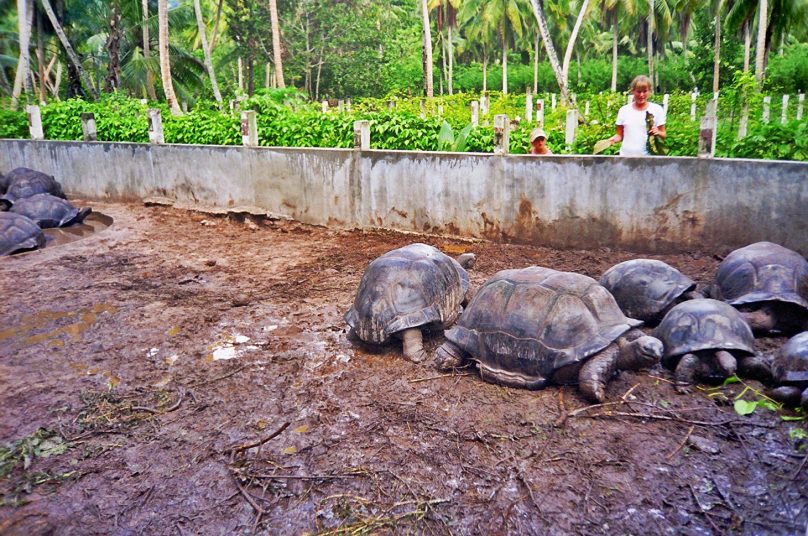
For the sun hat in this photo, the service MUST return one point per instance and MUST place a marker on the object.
(537, 133)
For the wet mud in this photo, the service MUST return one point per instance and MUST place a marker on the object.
(186, 373)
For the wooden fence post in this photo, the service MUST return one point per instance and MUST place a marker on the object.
(501, 134)
(249, 128)
(88, 126)
(155, 126)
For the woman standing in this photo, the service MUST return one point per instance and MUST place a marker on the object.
(633, 124)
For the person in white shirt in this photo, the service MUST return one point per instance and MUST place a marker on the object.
(632, 128)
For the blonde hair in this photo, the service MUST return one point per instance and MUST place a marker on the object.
(643, 81)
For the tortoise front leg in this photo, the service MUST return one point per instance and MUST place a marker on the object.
(449, 356)
(414, 345)
(685, 373)
(596, 373)
(726, 362)
(755, 366)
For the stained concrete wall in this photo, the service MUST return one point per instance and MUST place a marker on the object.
(645, 204)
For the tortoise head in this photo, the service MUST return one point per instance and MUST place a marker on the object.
(643, 352)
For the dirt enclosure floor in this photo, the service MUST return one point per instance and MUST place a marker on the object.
(187, 373)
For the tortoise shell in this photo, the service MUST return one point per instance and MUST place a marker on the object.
(705, 324)
(49, 211)
(25, 182)
(18, 232)
(790, 367)
(763, 272)
(405, 288)
(644, 288)
(537, 320)
(4, 180)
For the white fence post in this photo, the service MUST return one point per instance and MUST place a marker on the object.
(553, 101)
(361, 135)
(572, 125)
(155, 126)
(693, 97)
(501, 134)
(784, 112)
(767, 101)
(34, 122)
(800, 102)
(707, 131)
(743, 124)
(540, 112)
(324, 106)
(249, 128)
(88, 126)
(475, 113)
(529, 106)
(665, 101)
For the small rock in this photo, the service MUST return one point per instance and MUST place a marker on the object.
(703, 444)
(251, 225)
(208, 223)
(210, 262)
(241, 300)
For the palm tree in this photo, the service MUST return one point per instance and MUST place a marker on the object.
(24, 22)
(565, 68)
(206, 50)
(71, 54)
(552, 57)
(427, 54)
(147, 49)
(760, 48)
(446, 17)
(165, 64)
(611, 13)
(719, 6)
(276, 43)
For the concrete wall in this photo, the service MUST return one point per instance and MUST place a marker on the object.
(644, 204)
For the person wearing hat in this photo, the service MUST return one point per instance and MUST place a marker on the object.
(538, 142)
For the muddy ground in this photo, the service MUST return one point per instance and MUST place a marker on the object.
(185, 373)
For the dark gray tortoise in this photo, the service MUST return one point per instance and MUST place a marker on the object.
(18, 233)
(536, 326)
(405, 290)
(50, 211)
(768, 284)
(790, 371)
(25, 182)
(646, 289)
(3, 183)
(708, 339)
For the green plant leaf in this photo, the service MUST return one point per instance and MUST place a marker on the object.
(745, 407)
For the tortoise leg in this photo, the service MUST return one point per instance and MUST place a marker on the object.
(596, 372)
(686, 372)
(761, 320)
(754, 366)
(414, 345)
(449, 356)
(788, 395)
(466, 260)
(726, 362)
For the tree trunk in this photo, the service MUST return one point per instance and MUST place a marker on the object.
(760, 47)
(649, 47)
(216, 25)
(208, 61)
(485, 72)
(427, 55)
(552, 57)
(444, 70)
(504, 65)
(23, 63)
(717, 48)
(276, 42)
(451, 60)
(536, 66)
(747, 45)
(240, 65)
(113, 79)
(147, 49)
(565, 69)
(615, 35)
(40, 56)
(165, 63)
(74, 59)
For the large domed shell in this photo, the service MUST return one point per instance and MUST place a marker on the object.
(537, 320)
(25, 182)
(405, 288)
(790, 367)
(706, 324)
(18, 233)
(49, 211)
(644, 288)
(763, 272)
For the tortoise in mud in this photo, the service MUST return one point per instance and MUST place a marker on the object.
(50, 211)
(18, 233)
(768, 284)
(790, 371)
(405, 290)
(646, 289)
(535, 326)
(25, 182)
(709, 340)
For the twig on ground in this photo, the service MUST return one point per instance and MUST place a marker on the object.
(199, 384)
(260, 442)
(310, 477)
(703, 511)
(567, 414)
(624, 398)
(677, 419)
(429, 378)
(682, 444)
(658, 378)
(797, 472)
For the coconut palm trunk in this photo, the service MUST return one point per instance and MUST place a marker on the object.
(206, 50)
(21, 79)
(760, 47)
(717, 48)
(71, 54)
(747, 45)
(165, 64)
(615, 37)
(565, 69)
(276, 43)
(504, 64)
(451, 59)
(552, 57)
(150, 91)
(427, 55)
(649, 47)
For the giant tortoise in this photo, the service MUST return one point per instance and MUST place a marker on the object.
(768, 284)
(50, 211)
(646, 289)
(708, 339)
(535, 326)
(25, 182)
(406, 289)
(18, 232)
(790, 371)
